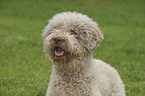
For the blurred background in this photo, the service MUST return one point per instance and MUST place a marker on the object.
(24, 67)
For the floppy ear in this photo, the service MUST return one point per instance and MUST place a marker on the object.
(46, 31)
(98, 35)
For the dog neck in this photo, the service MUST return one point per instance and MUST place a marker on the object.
(74, 76)
(74, 68)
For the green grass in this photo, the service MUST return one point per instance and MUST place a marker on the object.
(24, 67)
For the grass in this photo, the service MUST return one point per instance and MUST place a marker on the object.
(24, 67)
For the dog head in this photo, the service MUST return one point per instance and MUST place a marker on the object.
(70, 36)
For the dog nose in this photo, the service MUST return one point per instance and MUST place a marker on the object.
(58, 39)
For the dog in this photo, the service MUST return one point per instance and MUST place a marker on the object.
(69, 40)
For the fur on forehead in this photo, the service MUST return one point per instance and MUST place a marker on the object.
(67, 20)
(70, 18)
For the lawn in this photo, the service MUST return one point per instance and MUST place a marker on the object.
(24, 67)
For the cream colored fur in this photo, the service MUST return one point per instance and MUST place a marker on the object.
(76, 73)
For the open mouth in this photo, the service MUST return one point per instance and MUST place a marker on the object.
(58, 52)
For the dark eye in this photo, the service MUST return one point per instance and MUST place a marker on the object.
(73, 32)
(49, 33)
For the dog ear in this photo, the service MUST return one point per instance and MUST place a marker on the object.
(46, 31)
(98, 35)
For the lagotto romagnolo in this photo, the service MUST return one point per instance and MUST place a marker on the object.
(70, 39)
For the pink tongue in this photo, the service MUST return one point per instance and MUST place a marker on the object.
(59, 52)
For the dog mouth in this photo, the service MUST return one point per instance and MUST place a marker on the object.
(60, 55)
(59, 52)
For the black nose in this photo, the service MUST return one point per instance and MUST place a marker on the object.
(58, 40)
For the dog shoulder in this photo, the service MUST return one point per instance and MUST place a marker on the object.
(104, 66)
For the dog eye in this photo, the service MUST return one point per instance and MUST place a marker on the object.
(49, 33)
(73, 32)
